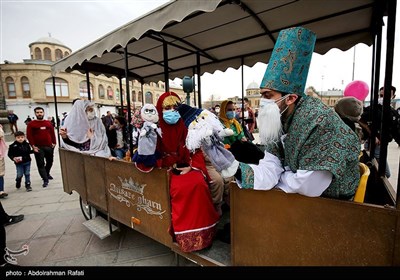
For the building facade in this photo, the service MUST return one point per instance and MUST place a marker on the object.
(29, 84)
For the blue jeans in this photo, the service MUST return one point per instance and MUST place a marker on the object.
(120, 153)
(1, 183)
(24, 169)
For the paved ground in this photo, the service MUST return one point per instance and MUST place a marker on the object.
(56, 237)
(53, 229)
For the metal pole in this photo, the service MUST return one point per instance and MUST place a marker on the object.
(121, 99)
(56, 109)
(354, 63)
(166, 72)
(128, 101)
(198, 78)
(88, 85)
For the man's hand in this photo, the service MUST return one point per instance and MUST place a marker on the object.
(35, 149)
(63, 133)
(53, 145)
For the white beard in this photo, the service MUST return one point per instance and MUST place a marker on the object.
(270, 125)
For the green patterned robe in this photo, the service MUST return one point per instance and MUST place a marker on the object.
(317, 139)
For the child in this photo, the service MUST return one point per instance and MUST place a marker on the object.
(19, 152)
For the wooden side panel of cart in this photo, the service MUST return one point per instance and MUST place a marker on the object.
(275, 228)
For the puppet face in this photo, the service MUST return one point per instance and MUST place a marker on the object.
(149, 113)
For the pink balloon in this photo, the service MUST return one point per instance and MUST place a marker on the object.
(357, 89)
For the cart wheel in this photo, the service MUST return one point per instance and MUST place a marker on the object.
(86, 208)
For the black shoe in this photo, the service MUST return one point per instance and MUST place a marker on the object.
(3, 195)
(45, 184)
(50, 177)
(14, 219)
(18, 184)
(28, 188)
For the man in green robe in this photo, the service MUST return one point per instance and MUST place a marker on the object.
(309, 149)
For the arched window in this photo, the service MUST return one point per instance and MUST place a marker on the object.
(26, 91)
(59, 54)
(117, 95)
(61, 87)
(110, 93)
(123, 96)
(66, 54)
(83, 90)
(148, 98)
(47, 54)
(133, 93)
(101, 92)
(38, 53)
(11, 88)
(140, 96)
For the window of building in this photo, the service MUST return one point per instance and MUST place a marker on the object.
(47, 54)
(11, 87)
(133, 93)
(61, 87)
(148, 97)
(59, 54)
(117, 95)
(140, 96)
(66, 54)
(38, 53)
(83, 90)
(101, 92)
(26, 91)
(123, 96)
(110, 93)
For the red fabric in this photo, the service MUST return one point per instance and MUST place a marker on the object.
(193, 211)
(40, 133)
(172, 143)
(192, 206)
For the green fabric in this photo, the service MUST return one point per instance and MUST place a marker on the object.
(231, 139)
(317, 139)
(247, 174)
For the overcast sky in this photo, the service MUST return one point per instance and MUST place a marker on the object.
(78, 23)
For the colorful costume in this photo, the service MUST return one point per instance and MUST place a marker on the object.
(320, 150)
(194, 217)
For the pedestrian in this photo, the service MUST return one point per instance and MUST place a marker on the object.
(20, 153)
(6, 220)
(12, 118)
(41, 137)
(3, 149)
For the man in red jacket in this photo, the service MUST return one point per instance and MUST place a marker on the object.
(41, 136)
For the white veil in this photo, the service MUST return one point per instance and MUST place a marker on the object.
(78, 124)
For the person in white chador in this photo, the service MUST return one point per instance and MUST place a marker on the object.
(83, 131)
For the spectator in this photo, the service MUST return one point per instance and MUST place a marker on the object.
(41, 137)
(20, 153)
(13, 119)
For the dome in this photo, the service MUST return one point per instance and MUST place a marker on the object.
(49, 40)
(253, 85)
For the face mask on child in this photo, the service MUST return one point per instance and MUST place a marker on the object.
(171, 116)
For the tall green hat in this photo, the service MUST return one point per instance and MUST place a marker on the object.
(290, 61)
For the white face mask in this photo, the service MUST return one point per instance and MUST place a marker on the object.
(380, 100)
(91, 115)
